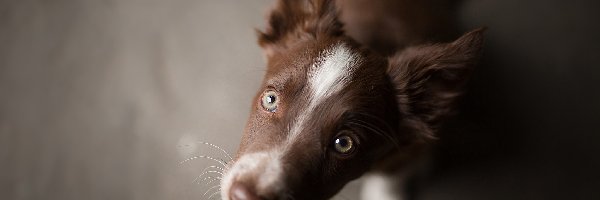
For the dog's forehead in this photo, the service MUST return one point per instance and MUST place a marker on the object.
(326, 75)
(320, 83)
(315, 65)
(332, 70)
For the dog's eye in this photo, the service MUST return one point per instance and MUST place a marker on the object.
(270, 100)
(343, 144)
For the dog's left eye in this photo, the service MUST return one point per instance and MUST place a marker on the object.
(270, 100)
(343, 144)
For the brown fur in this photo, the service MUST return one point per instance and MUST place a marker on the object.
(386, 26)
(391, 108)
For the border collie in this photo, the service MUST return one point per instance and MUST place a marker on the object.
(331, 109)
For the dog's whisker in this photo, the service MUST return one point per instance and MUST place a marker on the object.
(213, 180)
(377, 119)
(211, 188)
(206, 169)
(376, 131)
(213, 166)
(206, 172)
(205, 157)
(217, 147)
(198, 181)
(371, 127)
(211, 177)
(213, 194)
(376, 128)
(389, 128)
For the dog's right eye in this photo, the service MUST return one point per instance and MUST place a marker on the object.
(344, 144)
(269, 100)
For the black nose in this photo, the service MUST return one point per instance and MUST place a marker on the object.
(241, 192)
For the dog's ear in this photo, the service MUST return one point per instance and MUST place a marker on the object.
(429, 78)
(294, 20)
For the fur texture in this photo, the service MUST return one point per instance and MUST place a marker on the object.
(327, 85)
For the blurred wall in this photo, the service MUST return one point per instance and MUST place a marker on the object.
(529, 124)
(103, 99)
(100, 98)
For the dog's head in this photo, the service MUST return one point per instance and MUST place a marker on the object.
(329, 110)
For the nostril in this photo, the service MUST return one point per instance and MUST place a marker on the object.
(241, 192)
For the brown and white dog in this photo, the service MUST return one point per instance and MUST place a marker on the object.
(329, 109)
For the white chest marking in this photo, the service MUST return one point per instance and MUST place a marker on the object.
(381, 187)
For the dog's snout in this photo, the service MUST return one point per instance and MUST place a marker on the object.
(241, 192)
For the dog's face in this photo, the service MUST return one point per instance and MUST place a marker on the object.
(325, 109)
(328, 109)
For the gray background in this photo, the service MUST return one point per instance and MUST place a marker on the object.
(103, 99)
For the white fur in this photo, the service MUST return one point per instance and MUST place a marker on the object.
(332, 71)
(381, 187)
(266, 165)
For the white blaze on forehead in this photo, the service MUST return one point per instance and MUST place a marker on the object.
(328, 75)
(331, 71)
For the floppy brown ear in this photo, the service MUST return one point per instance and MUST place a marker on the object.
(428, 79)
(294, 20)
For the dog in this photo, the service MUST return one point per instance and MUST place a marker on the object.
(332, 109)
